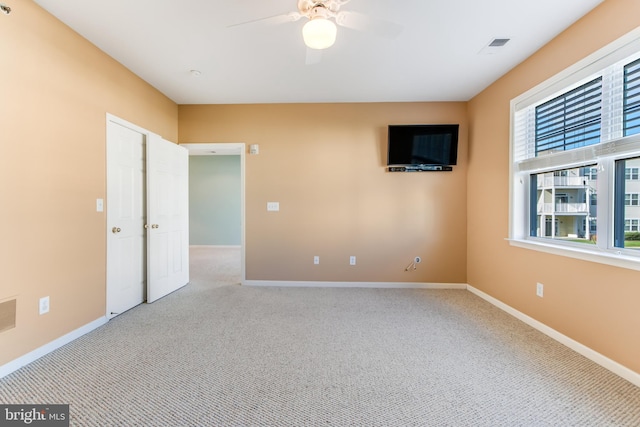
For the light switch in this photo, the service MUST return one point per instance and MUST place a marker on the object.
(273, 206)
(99, 205)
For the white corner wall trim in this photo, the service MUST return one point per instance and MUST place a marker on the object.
(618, 369)
(34, 355)
(386, 285)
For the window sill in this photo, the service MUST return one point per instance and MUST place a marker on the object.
(616, 259)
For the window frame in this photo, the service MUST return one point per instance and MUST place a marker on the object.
(612, 148)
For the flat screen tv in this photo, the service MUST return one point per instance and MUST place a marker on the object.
(422, 145)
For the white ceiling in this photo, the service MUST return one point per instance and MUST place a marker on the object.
(439, 56)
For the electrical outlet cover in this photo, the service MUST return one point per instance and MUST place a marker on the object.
(273, 206)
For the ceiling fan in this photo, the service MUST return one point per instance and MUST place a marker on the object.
(320, 31)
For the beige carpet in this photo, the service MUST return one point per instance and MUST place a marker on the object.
(218, 354)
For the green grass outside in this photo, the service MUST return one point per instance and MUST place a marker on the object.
(589, 242)
(627, 243)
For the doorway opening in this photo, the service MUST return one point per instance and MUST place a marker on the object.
(217, 220)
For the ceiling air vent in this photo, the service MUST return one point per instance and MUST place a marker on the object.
(494, 46)
(498, 42)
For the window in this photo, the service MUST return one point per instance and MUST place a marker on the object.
(565, 201)
(632, 225)
(627, 209)
(575, 150)
(591, 173)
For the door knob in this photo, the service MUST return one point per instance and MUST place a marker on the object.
(146, 226)
(115, 230)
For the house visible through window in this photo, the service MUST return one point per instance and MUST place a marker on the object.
(627, 209)
(565, 201)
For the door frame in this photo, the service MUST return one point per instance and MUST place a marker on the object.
(234, 148)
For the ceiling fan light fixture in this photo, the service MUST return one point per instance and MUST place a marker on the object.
(319, 33)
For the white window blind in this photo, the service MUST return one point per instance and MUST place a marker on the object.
(632, 98)
(578, 125)
(571, 120)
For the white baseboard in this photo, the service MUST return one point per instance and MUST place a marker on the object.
(390, 285)
(613, 366)
(18, 363)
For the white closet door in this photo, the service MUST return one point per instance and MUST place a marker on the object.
(167, 217)
(126, 211)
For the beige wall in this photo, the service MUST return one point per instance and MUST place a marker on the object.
(594, 304)
(325, 164)
(56, 89)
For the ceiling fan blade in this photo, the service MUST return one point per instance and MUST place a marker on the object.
(314, 56)
(339, 3)
(271, 20)
(360, 22)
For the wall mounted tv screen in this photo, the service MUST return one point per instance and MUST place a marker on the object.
(422, 145)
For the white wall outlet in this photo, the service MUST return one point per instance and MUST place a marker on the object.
(316, 260)
(540, 290)
(44, 305)
(99, 205)
(273, 206)
(352, 260)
